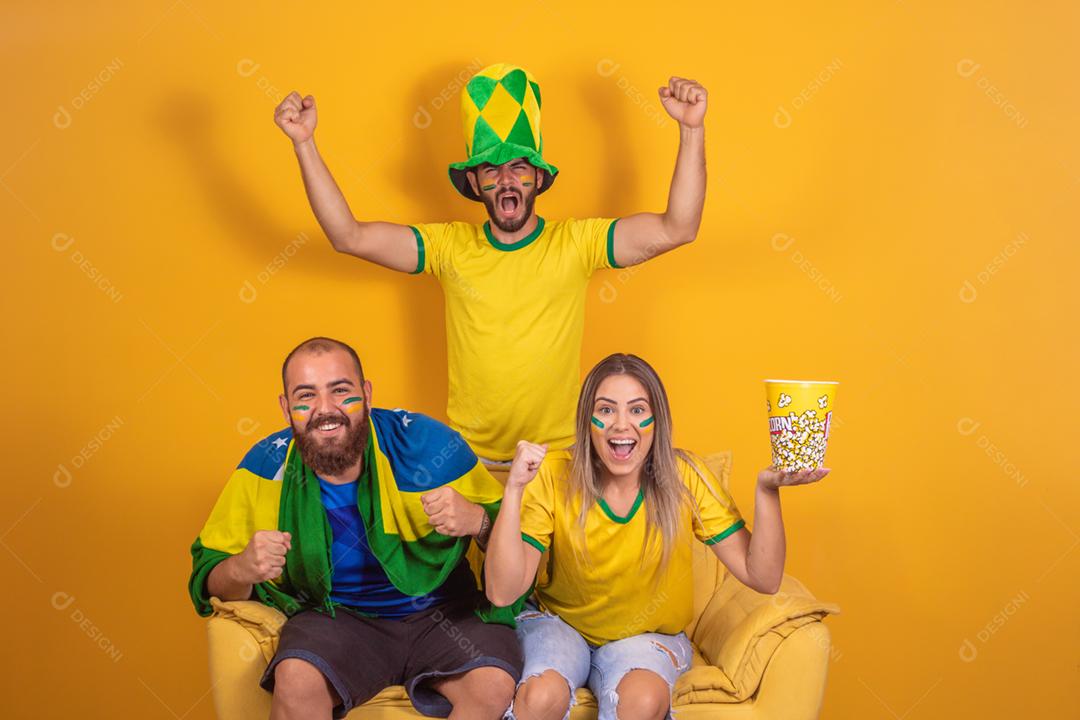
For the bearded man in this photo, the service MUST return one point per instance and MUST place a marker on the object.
(354, 522)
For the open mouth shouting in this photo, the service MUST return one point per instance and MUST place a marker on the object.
(622, 448)
(508, 203)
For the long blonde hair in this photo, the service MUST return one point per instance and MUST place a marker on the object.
(661, 485)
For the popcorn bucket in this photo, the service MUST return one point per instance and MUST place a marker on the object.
(800, 413)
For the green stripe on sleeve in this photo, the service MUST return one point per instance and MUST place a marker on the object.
(419, 251)
(534, 542)
(611, 244)
(717, 538)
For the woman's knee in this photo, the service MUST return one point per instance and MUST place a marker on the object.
(543, 697)
(642, 694)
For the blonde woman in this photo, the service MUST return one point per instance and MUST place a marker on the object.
(618, 512)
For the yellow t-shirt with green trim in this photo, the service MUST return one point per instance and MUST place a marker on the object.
(515, 315)
(613, 594)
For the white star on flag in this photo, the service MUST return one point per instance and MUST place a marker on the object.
(280, 443)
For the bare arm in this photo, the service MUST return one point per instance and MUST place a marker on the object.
(225, 581)
(510, 564)
(757, 560)
(388, 244)
(643, 236)
(263, 559)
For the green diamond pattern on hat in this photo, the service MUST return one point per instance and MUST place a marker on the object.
(515, 83)
(484, 137)
(480, 89)
(522, 132)
(500, 112)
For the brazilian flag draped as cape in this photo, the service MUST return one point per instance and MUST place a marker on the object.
(407, 455)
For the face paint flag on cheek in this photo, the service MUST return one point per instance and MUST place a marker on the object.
(647, 424)
(300, 412)
(597, 422)
(353, 404)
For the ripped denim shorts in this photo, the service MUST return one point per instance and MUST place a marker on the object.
(549, 643)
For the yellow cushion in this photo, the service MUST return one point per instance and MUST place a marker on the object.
(740, 629)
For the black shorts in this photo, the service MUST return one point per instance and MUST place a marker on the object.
(362, 656)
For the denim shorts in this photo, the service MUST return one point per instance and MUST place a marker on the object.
(549, 643)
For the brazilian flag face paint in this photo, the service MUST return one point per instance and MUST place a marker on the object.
(352, 404)
(596, 421)
(300, 412)
(485, 188)
(647, 423)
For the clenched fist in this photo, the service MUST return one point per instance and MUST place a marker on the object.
(296, 117)
(450, 513)
(527, 459)
(685, 100)
(264, 556)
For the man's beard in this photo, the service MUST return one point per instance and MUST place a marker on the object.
(512, 225)
(332, 457)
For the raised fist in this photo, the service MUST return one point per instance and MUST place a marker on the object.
(527, 459)
(296, 117)
(685, 101)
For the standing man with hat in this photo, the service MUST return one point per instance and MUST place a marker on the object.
(514, 286)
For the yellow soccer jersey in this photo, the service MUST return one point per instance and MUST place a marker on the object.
(609, 593)
(514, 321)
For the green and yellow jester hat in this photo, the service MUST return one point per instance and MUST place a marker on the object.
(500, 112)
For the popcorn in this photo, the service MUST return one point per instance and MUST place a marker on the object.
(799, 441)
(799, 438)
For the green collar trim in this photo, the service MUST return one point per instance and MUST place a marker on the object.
(520, 243)
(629, 516)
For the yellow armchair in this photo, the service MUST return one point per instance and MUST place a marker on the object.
(757, 657)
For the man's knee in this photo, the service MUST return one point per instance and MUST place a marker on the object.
(487, 689)
(643, 694)
(543, 696)
(298, 682)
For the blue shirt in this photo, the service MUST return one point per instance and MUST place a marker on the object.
(358, 578)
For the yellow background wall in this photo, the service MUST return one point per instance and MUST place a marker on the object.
(892, 204)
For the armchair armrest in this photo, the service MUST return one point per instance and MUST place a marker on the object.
(262, 622)
(740, 629)
(243, 636)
